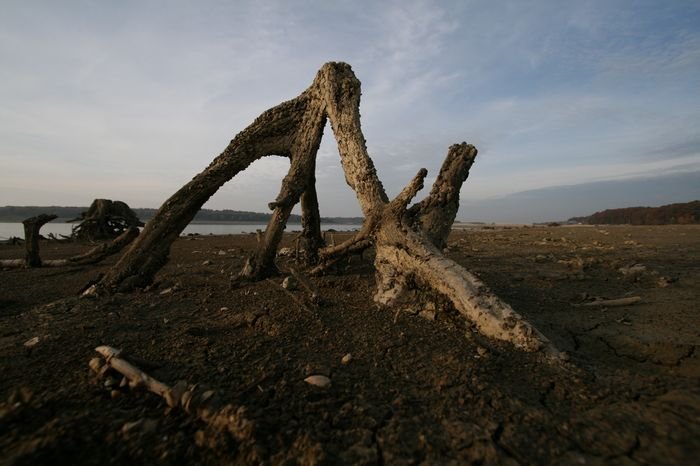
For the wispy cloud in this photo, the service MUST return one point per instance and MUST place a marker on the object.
(131, 99)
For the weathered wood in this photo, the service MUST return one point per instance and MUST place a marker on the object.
(193, 399)
(618, 302)
(93, 256)
(437, 212)
(104, 250)
(32, 226)
(105, 219)
(407, 241)
(310, 240)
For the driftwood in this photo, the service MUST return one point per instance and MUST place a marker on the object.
(104, 220)
(408, 241)
(93, 256)
(618, 302)
(193, 399)
(31, 237)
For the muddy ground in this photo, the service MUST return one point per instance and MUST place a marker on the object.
(417, 390)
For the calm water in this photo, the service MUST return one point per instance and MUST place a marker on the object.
(8, 230)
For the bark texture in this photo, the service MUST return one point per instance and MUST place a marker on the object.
(407, 241)
(32, 226)
(436, 213)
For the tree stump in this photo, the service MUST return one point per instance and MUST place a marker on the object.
(32, 226)
(105, 220)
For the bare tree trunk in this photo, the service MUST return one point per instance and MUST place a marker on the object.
(311, 239)
(303, 149)
(32, 226)
(436, 213)
(268, 135)
(406, 253)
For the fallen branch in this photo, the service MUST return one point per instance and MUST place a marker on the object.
(93, 256)
(314, 295)
(619, 302)
(290, 294)
(194, 400)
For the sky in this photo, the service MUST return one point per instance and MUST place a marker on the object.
(129, 100)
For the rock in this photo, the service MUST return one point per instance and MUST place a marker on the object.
(31, 342)
(207, 262)
(320, 381)
(346, 359)
(290, 283)
(666, 281)
(633, 270)
(129, 426)
(221, 253)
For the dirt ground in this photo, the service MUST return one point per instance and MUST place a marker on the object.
(418, 388)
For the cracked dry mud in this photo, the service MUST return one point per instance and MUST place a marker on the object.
(415, 390)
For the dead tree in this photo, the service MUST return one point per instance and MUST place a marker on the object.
(93, 256)
(407, 241)
(105, 220)
(31, 238)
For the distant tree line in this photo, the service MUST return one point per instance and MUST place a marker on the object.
(683, 213)
(13, 214)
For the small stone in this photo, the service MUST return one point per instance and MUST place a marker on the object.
(31, 342)
(320, 381)
(166, 291)
(346, 359)
(129, 426)
(289, 283)
(96, 364)
(221, 253)
(207, 262)
(665, 282)
(482, 351)
(632, 271)
(110, 382)
(114, 394)
(223, 309)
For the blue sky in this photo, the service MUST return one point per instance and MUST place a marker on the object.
(129, 100)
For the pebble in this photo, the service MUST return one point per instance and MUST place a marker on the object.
(318, 381)
(346, 359)
(289, 283)
(31, 342)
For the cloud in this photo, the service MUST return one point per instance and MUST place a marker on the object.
(134, 98)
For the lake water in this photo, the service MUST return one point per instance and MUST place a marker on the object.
(8, 230)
